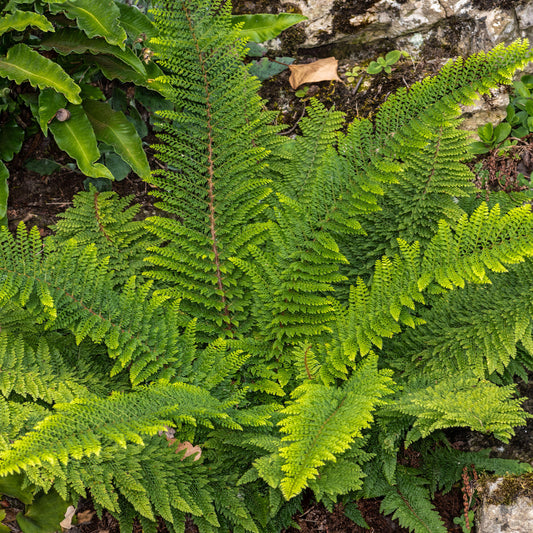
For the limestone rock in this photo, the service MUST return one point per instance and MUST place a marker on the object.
(409, 24)
(515, 517)
(490, 108)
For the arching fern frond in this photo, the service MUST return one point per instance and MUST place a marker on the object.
(107, 220)
(117, 419)
(215, 145)
(323, 421)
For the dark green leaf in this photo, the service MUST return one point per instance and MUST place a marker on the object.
(11, 138)
(255, 50)
(20, 20)
(264, 68)
(520, 132)
(151, 100)
(527, 80)
(11, 485)
(24, 64)
(521, 89)
(100, 184)
(140, 125)
(479, 148)
(136, 23)
(118, 167)
(44, 514)
(501, 132)
(44, 167)
(112, 127)
(69, 40)
(96, 19)
(112, 69)
(263, 27)
(76, 137)
(92, 92)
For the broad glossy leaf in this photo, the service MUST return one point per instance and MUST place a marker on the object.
(49, 103)
(4, 192)
(263, 27)
(76, 137)
(24, 64)
(136, 23)
(69, 41)
(113, 68)
(11, 138)
(44, 514)
(96, 19)
(11, 485)
(113, 128)
(20, 20)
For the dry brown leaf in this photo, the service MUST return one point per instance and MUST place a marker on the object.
(321, 70)
(66, 523)
(85, 516)
(188, 447)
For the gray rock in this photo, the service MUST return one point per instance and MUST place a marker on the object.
(515, 517)
(409, 24)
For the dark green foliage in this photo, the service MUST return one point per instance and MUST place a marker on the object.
(261, 321)
(48, 61)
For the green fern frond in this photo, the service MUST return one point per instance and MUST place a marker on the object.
(443, 466)
(322, 422)
(215, 148)
(409, 503)
(462, 402)
(484, 241)
(118, 419)
(107, 220)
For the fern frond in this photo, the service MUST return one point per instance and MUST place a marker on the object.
(483, 242)
(462, 402)
(322, 422)
(107, 220)
(215, 148)
(409, 503)
(118, 419)
(443, 466)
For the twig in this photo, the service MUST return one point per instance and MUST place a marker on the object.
(288, 132)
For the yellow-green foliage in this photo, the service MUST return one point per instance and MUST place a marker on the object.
(310, 308)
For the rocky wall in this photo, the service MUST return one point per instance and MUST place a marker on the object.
(432, 31)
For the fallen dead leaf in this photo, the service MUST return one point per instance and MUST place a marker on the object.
(85, 516)
(66, 523)
(188, 447)
(321, 70)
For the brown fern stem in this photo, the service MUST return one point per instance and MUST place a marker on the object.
(210, 166)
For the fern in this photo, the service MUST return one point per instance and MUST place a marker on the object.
(307, 310)
(217, 189)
